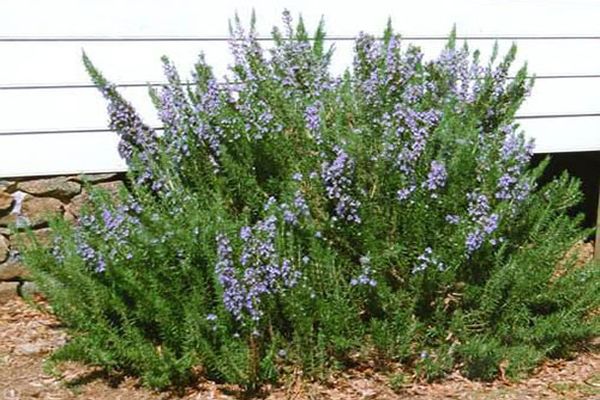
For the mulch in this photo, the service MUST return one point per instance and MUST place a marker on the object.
(28, 335)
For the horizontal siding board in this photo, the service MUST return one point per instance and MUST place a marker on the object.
(28, 155)
(85, 108)
(32, 155)
(56, 63)
(559, 135)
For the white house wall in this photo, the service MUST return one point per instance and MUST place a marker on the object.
(560, 40)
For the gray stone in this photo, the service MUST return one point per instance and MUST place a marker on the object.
(39, 344)
(4, 248)
(8, 219)
(69, 217)
(7, 186)
(27, 289)
(76, 203)
(59, 187)
(94, 178)
(112, 187)
(38, 210)
(6, 202)
(19, 196)
(26, 349)
(8, 291)
(11, 394)
(23, 240)
(13, 270)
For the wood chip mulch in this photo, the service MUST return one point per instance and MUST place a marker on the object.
(28, 335)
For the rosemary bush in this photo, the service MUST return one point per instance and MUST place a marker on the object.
(290, 218)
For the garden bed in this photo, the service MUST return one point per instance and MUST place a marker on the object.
(314, 236)
(28, 335)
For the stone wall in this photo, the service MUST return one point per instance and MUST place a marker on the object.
(29, 202)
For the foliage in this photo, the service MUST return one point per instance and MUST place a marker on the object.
(294, 218)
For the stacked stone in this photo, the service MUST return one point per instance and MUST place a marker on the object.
(29, 203)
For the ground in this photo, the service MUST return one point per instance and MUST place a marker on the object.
(27, 335)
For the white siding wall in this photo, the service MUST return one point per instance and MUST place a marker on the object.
(568, 67)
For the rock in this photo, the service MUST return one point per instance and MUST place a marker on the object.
(13, 270)
(8, 186)
(5, 232)
(25, 349)
(4, 248)
(6, 202)
(70, 217)
(11, 394)
(22, 240)
(60, 187)
(39, 344)
(112, 187)
(37, 210)
(13, 217)
(8, 291)
(76, 203)
(8, 219)
(27, 289)
(94, 178)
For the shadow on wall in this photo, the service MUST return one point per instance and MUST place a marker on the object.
(586, 167)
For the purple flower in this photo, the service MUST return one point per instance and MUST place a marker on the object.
(515, 155)
(505, 185)
(234, 293)
(295, 65)
(289, 216)
(137, 141)
(404, 193)
(436, 178)
(425, 260)
(271, 202)
(478, 205)
(406, 140)
(204, 118)
(490, 223)
(370, 80)
(211, 317)
(453, 219)
(485, 223)
(263, 271)
(312, 118)
(101, 264)
(474, 240)
(511, 146)
(365, 278)
(298, 209)
(337, 177)
(134, 135)
(90, 256)
(460, 75)
(245, 233)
